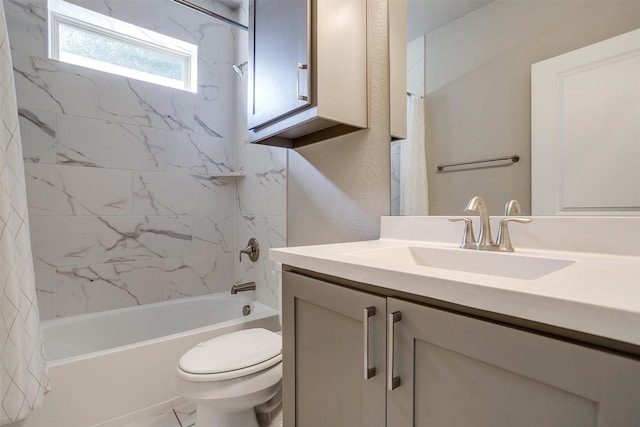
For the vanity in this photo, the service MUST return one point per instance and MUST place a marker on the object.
(412, 330)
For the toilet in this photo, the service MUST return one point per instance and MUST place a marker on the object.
(229, 375)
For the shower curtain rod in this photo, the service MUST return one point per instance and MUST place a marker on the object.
(413, 94)
(210, 13)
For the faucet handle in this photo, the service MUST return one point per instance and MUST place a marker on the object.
(468, 237)
(512, 207)
(504, 241)
(252, 250)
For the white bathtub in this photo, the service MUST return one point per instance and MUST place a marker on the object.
(112, 364)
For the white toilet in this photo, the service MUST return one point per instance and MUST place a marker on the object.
(229, 375)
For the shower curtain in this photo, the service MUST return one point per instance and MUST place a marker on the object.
(414, 189)
(23, 371)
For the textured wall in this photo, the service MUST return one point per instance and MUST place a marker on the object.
(123, 207)
(339, 189)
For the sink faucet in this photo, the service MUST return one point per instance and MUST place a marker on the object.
(485, 242)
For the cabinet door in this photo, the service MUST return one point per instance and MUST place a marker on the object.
(278, 43)
(456, 371)
(324, 355)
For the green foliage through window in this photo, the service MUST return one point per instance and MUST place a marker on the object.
(89, 44)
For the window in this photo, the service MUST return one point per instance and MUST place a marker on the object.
(83, 37)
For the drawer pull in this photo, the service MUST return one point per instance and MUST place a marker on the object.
(369, 372)
(392, 319)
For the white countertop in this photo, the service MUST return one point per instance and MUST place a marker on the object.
(598, 294)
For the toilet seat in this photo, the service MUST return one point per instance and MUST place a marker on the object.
(230, 356)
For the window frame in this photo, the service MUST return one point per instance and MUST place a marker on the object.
(62, 12)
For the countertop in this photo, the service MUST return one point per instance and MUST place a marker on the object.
(598, 294)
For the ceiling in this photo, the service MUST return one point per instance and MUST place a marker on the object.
(424, 16)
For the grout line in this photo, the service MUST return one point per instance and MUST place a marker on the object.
(177, 417)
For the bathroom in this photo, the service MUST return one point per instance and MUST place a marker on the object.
(151, 234)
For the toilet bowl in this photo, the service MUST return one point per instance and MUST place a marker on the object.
(229, 375)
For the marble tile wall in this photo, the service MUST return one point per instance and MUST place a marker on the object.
(124, 209)
(261, 205)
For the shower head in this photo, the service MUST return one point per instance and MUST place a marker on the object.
(239, 69)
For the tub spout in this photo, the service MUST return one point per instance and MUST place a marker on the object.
(249, 286)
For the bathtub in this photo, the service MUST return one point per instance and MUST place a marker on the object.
(109, 365)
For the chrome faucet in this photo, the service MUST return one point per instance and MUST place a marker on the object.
(484, 242)
(243, 287)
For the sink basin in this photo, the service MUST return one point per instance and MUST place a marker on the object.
(481, 262)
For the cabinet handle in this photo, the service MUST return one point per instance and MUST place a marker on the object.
(369, 372)
(300, 67)
(392, 319)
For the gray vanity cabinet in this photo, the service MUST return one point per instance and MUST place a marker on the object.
(307, 70)
(456, 370)
(448, 369)
(324, 352)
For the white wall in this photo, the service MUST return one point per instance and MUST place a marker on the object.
(338, 189)
(478, 90)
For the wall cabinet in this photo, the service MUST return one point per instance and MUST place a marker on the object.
(439, 368)
(307, 70)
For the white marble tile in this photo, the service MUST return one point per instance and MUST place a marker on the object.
(197, 154)
(212, 234)
(108, 286)
(38, 131)
(129, 238)
(63, 240)
(261, 158)
(186, 414)
(192, 276)
(263, 193)
(46, 292)
(27, 25)
(69, 190)
(173, 194)
(270, 233)
(160, 420)
(43, 84)
(146, 104)
(227, 196)
(216, 82)
(150, 14)
(91, 142)
(212, 35)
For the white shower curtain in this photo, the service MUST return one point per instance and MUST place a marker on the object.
(23, 371)
(414, 189)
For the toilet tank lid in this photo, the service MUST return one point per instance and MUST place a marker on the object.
(233, 351)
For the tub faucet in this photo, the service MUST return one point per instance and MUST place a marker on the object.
(243, 287)
(485, 242)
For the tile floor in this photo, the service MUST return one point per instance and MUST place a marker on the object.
(182, 416)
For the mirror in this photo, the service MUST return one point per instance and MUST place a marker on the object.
(470, 61)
